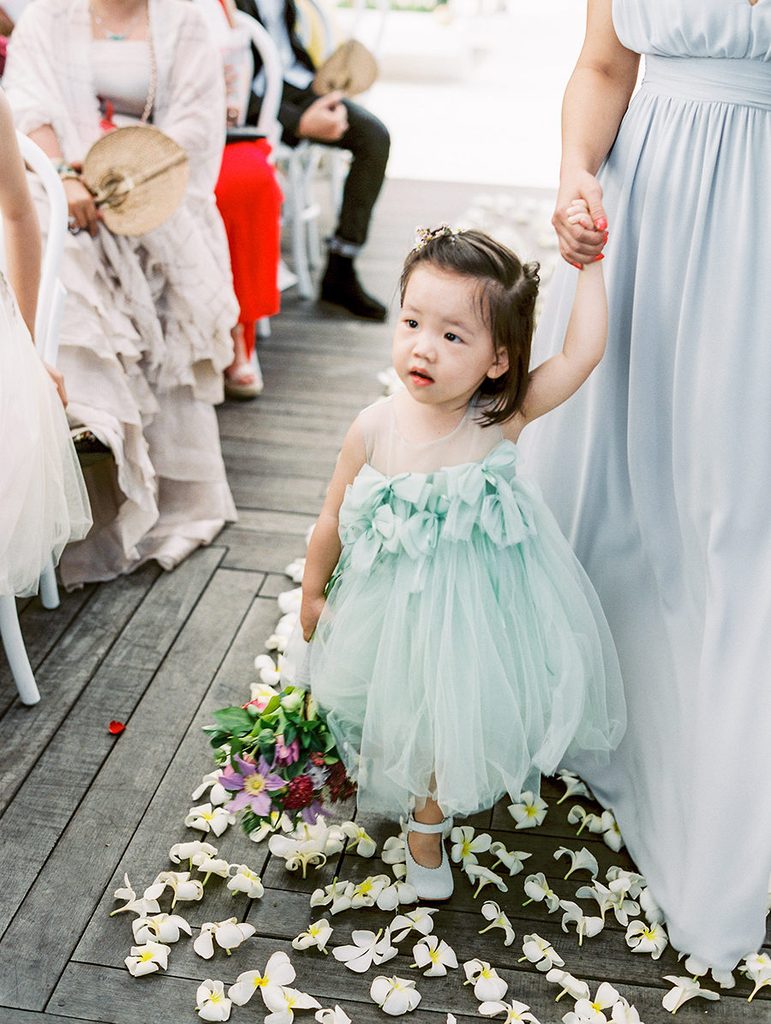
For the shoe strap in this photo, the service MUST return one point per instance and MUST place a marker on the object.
(429, 830)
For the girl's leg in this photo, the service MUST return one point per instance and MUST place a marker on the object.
(427, 849)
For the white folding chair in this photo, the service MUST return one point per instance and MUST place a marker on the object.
(49, 307)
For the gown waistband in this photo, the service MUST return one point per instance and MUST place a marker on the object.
(714, 79)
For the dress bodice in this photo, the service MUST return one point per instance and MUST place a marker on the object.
(732, 29)
(390, 452)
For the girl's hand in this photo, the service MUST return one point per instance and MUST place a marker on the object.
(310, 613)
(82, 208)
(58, 380)
(581, 241)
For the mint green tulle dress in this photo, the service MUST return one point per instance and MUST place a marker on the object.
(462, 651)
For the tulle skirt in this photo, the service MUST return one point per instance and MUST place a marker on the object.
(462, 650)
(44, 502)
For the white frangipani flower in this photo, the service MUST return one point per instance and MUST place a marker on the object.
(611, 898)
(539, 891)
(636, 883)
(290, 601)
(143, 906)
(653, 912)
(466, 845)
(697, 969)
(213, 866)
(148, 958)
(218, 795)
(298, 853)
(624, 1013)
(580, 860)
(492, 912)
(160, 928)
(227, 934)
(336, 1016)
(513, 860)
(684, 989)
(278, 973)
(420, 920)
(366, 949)
(193, 852)
(359, 841)
(529, 812)
(267, 670)
(295, 573)
(585, 926)
(283, 1003)
(514, 1011)
(395, 996)
(394, 851)
(245, 880)
(338, 896)
(211, 1001)
(540, 952)
(277, 822)
(317, 936)
(607, 826)
(397, 894)
(591, 1010)
(482, 876)
(206, 818)
(578, 815)
(757, 969)
(570, 986)
(573, 786)
(645, 938)
(185, 888)
(365, 894)
(489, 986)
(433, 953)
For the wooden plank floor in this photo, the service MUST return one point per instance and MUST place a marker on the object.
(161, 652)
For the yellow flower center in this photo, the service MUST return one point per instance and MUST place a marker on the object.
(433, 955)
(648, 934)
(465, 849)
(215, 997)
(260, 981)
(254, 784)
(146, 957)
(486, 973)
(364, 887)
(207, 815)
(531, 811)
(290, 1002)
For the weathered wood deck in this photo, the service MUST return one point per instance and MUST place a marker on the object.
(160, 652)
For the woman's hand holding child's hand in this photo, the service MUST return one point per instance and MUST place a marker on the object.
(58, 380)
(581, 241)
(310, 613)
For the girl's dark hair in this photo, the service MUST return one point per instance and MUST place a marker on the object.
(507, 294)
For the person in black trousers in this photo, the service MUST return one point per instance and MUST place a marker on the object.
(332, 121)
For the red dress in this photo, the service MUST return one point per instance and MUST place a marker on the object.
(249, 199)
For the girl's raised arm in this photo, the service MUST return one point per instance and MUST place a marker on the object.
(324, 548)
(20, 223)
(556, 379)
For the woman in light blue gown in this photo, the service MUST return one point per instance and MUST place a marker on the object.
(659, 471)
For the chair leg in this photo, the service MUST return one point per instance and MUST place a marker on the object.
(49, 592)
(299, 230)
(16, 652)
(263, 327)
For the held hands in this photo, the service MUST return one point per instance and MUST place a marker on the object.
(582, 238)
(84, 215)
(58, 380)
(310, 613)
(325, 120)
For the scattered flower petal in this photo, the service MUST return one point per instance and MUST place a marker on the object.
(395, 996)
(317, 936)
(284, 1002)
(585, 926)
(146, 959)
(366, 949)
(539, 891)
(512, 859)
(420, 920)
(541, 953)
(433, 953)
(278, 973)
(488, 985)
(359, 841)
(645, 938)
(227, 934)
(206, 818)
(573, 786)
(570, 986)
(482, 876)
(466, 845)
(757, 969)
(529, 812)
(211, 1001)
(683, 990)
(493, 913)
(160, 928)
(580, 860)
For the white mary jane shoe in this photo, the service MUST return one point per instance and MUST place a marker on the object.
(431, 884)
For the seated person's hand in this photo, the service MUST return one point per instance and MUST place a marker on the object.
(82, 208)
(58, 380)
(325, 120)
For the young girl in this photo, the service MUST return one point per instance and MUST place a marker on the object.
(44, 502)
(458, 649)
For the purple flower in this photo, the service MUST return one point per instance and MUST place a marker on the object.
(253, 783)
(311, 812)
(286, 755)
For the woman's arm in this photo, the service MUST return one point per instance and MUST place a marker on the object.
(324, 548)
(596, 99)
(556, 379)
(20, 223)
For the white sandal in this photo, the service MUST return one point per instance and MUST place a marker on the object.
(432, 884)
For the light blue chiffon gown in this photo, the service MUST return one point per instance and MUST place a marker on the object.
(659, 470)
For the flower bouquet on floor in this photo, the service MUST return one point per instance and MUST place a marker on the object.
(278, 757)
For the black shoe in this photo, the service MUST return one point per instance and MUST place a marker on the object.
(341, 286)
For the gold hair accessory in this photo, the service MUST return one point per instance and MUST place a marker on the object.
(425, 235)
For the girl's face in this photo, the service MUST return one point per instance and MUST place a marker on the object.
(442, 349)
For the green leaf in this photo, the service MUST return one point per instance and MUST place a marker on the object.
(234, 720)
